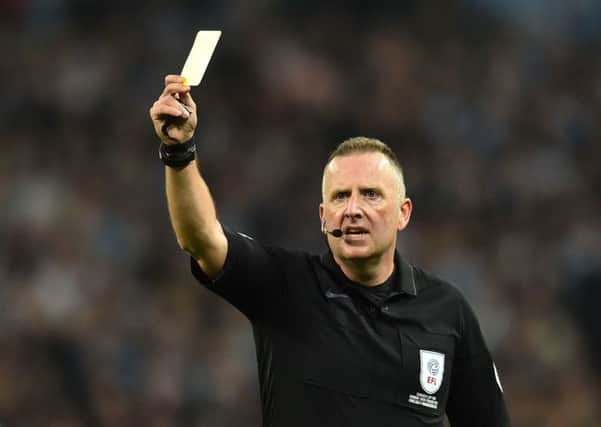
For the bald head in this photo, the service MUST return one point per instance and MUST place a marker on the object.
(362, 145)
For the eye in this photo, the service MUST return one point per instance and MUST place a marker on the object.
(371, 194)
(340, 195)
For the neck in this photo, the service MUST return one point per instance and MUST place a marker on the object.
(368, 272)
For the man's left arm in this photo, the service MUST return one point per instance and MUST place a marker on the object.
(476, 396)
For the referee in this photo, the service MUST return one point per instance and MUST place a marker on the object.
(356, 336)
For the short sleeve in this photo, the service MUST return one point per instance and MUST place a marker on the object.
(476, 396)
(249, 279)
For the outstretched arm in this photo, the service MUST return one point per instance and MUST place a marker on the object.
(191, 207)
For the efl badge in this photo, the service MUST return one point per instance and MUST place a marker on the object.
(431, 370)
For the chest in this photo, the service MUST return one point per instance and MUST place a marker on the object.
(399, 354)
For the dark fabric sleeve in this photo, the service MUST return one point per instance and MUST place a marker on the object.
(249, 279)
(476, 398)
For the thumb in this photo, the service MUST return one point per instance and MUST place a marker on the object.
(186, 98)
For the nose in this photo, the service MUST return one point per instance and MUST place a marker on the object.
(353, 209)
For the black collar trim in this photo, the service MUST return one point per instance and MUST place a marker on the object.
(403, 280)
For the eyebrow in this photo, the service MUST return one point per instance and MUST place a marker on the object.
(377, 189)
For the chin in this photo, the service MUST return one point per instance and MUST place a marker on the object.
(356, 253)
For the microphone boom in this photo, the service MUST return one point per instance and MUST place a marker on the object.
(336, 233)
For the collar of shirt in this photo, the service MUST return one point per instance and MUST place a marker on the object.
(403, 278)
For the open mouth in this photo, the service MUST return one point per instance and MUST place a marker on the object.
(356, 232)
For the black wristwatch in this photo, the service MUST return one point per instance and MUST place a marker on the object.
(177, 155)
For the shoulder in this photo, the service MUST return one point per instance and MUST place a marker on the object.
(442, 296)
(243, 245)
(430, 284)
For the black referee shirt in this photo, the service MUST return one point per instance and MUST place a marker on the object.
(332, 354)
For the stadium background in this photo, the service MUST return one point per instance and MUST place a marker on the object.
(493, 107)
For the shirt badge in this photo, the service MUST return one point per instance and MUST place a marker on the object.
(431, 370)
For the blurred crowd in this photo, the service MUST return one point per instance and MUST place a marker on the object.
(492, 107)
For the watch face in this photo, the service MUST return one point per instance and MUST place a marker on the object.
(177, 155)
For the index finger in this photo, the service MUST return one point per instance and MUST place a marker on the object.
(173, 88)
(173, 78)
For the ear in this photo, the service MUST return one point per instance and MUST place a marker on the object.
(321, 218)
(405, 213)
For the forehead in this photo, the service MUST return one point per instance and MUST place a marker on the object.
(373, 169)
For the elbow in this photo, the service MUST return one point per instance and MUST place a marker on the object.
(186, 246)
(194, 248)
(200, 244)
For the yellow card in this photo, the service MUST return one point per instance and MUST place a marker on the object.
(199, 56)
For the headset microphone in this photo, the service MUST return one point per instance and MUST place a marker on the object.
(336, 232)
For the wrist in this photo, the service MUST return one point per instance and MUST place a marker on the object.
(177, 155)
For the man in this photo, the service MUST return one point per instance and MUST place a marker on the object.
(356, 336)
